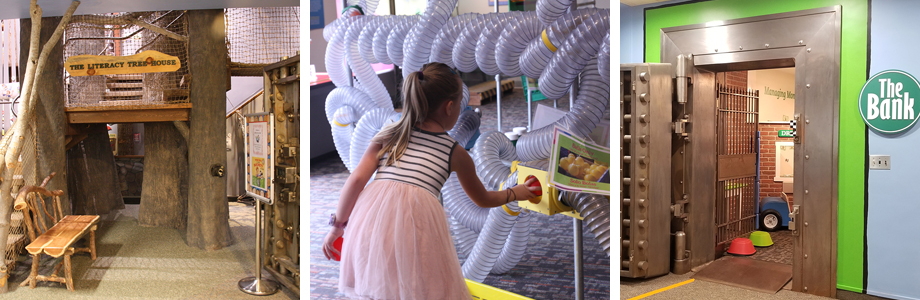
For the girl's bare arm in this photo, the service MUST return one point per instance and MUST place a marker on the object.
(462, 163)
(356, 182)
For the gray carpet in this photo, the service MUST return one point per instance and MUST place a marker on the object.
(137, 262)
(545, 272)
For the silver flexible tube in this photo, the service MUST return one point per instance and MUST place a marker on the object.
(571, 58)
(491, 240)
(550, 10)
(397, 37)
(366, 38)
(443, 46)
(582, 118)
(464, 238)
(464, 52)
(466, 126)
(342, 131)
(485, 47)
(344, 106)
(490, 151)
(347, 96)
(534, 60)
(380, 38)
(595, 209)
(362, 69)
(461, 207)
(518, 33)
(425, 32)
(603, 59)
(330, 29)
(336, 65)
(369, 125)
(516, 244)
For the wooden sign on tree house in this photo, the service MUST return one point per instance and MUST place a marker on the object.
(149, 61)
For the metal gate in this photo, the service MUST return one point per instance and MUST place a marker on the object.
(736, 209)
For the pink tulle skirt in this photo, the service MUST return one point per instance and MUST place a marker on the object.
(398, 246)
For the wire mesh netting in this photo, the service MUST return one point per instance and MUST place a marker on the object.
(262, 35)
(118, 34)
(23, 174)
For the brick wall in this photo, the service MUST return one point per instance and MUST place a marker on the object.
(737, 78)
(769, 134)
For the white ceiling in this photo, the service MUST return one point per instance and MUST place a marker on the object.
(640, 2)
(15, 9)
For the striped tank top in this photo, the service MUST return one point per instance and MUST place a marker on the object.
(426, 162)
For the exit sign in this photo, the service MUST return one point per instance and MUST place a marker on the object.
(785, 133)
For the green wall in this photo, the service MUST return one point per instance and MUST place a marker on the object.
(851, 219)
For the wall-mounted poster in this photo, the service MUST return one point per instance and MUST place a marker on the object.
(259, 166)
(316, 15)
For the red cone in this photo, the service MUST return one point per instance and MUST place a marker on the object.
(741, 246)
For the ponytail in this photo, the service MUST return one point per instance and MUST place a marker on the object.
(423, 91)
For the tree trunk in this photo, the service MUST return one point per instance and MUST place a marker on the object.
(49, 110)
(164, 199)
(208, 210)
(92, 180)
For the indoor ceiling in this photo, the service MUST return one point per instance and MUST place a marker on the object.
(15, 9)
(640, 2)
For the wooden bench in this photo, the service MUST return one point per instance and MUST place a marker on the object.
(57, 240)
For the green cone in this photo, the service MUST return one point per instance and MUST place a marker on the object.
(761, 239)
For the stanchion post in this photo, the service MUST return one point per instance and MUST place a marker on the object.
(255, 285)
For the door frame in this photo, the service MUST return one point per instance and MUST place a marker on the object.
(808, 40)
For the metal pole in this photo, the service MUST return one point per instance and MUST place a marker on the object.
(529, 104)
(579, 256)
(579, 262)
(498, 90)
(498, 100)
(574, 91)
(256, 285)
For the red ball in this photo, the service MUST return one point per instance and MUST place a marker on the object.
(537, 184)
(338, 246)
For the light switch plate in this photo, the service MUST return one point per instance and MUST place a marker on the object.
(879, 162)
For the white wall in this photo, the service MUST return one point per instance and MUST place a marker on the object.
(779, 104)
(478, 6)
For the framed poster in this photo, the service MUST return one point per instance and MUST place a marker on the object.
(259, 165)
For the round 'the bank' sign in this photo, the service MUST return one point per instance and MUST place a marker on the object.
(886, 101)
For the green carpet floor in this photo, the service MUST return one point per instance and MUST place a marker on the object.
(137, 262)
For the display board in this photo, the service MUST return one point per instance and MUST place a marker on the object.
(581, 166)
(259, 166)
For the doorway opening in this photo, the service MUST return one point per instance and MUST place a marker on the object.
(755, 108)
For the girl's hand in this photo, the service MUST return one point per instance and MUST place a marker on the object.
(328, 248)
(527, 192)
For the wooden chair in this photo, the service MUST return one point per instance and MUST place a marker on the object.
(57, 240)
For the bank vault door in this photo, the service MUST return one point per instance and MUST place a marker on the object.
(736, 129)
(808, 40)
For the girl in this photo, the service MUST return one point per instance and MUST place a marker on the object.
(398, 245)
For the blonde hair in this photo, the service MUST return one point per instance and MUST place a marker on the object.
(423, 92)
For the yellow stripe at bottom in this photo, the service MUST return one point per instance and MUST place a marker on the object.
(662, 289)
